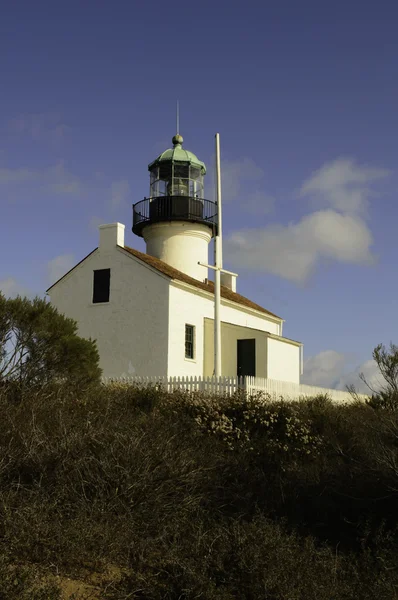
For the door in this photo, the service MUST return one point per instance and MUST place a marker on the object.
(246, 358)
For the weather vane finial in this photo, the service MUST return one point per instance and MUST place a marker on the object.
(178, 118)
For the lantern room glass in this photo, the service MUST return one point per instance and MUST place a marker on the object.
(176, 179)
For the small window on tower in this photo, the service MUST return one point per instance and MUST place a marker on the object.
(101, 286)
(189, 341)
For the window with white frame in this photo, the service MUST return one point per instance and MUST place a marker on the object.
(189, 341)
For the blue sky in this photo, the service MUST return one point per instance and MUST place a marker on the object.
(304, 97)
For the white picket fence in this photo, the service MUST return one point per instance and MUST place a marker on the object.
(229, 385)
(296, 390)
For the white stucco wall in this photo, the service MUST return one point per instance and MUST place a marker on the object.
(283, 360)
(245, 319)
(132, 329)
(192, 308)
(185, 308)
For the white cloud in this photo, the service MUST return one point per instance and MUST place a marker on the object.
(339, 232)
(293, 251)
(371, 373)
(119, 192)
(330, 369)
(58, 266)
(324, 369)
(11, 288)
(343, 185)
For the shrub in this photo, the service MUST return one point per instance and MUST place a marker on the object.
(253, 422)
(130, 478)
(38, 346)
(387, 396)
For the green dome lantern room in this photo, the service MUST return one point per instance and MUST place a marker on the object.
(177, 172)
(176, 191)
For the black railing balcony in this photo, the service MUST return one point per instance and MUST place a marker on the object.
(173, 208)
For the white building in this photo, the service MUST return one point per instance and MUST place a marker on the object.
(152, 313)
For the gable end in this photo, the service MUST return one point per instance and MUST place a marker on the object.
(70, 270)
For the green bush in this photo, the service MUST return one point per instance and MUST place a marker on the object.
(39, 346)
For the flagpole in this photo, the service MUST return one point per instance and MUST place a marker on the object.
(218, 267)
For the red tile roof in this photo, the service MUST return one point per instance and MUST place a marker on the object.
(166, 269)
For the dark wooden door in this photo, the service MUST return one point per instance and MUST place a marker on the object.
(246, 358)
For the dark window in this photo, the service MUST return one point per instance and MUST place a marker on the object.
(101, 287)
(189, 341)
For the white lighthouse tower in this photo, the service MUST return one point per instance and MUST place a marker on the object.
(176, 221)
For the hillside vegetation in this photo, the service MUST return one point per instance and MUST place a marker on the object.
(115, 492)
(148, 495)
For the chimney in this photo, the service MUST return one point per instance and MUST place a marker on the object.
(111, 235)
(229, 281)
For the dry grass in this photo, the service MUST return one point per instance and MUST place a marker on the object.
(195, 498)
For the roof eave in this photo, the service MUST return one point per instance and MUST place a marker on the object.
(198, 164)
(209, 294)
(285, 339)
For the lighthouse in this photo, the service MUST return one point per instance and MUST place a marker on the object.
(156, 314)
(176, 221)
